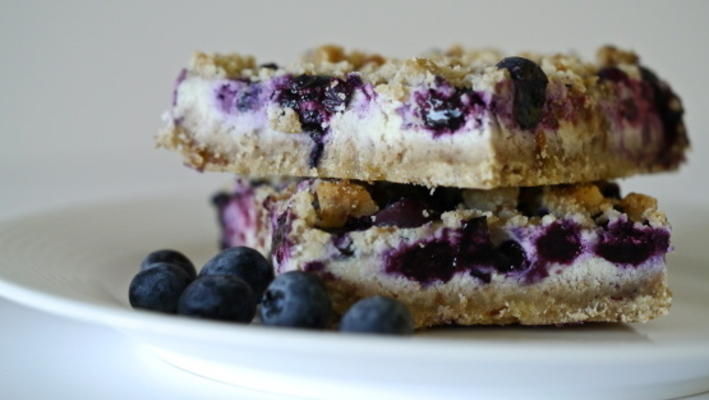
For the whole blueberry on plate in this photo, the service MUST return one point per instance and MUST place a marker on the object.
(221, 297)
(158, 288)
(169, 256)
(296, 299)
(530, 85)
(244, 262)
(378, 314)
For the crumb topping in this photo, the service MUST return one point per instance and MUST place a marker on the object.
(457, 65)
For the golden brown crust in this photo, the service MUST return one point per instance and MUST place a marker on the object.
(498, 171)
(546, 304)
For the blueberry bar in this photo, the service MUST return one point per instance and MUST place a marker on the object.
(536, 255)
(470, 119)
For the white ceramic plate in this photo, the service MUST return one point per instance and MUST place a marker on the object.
(78, 262)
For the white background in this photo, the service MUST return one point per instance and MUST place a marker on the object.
(82, 86)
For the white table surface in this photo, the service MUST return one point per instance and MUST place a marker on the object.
(82, 86)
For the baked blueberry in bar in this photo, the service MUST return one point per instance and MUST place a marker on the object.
(537, 255)
(472, 119)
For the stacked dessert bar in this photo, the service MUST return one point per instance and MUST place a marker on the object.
(474, 188)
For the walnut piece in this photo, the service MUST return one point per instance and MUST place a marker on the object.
(638, 206)
(585, 198)
(336, 201)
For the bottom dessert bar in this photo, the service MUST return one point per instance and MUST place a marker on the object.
(541, 255)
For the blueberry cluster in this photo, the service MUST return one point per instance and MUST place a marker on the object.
(231, 285)
(315, 98)
(469, 248)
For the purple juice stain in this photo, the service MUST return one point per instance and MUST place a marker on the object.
(316, 151)
(238, 96)
(236, 216)
(314, 266)
(561, 243)
(248, 98)
(425, 262)
(343, 244)
(444, 109)
(281, 245)
(226, 94)
(622, 242)
(672, 118)
(660, 96)
(180, 78)
(466, 249)
(315, 98)
(220, 201)
(318, 268)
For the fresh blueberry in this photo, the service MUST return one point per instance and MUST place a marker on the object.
(158, 288)
(244, 262)
(530, 84)
(169, 256)
(378, 314)
(221, 297)
(296, 299)
(248, 98)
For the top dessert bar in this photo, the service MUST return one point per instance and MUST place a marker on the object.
(459, 118)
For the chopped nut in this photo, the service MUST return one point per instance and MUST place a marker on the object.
(339, 200)
(220, 65)
(638, 205)
(611, 56)
(335, 54)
